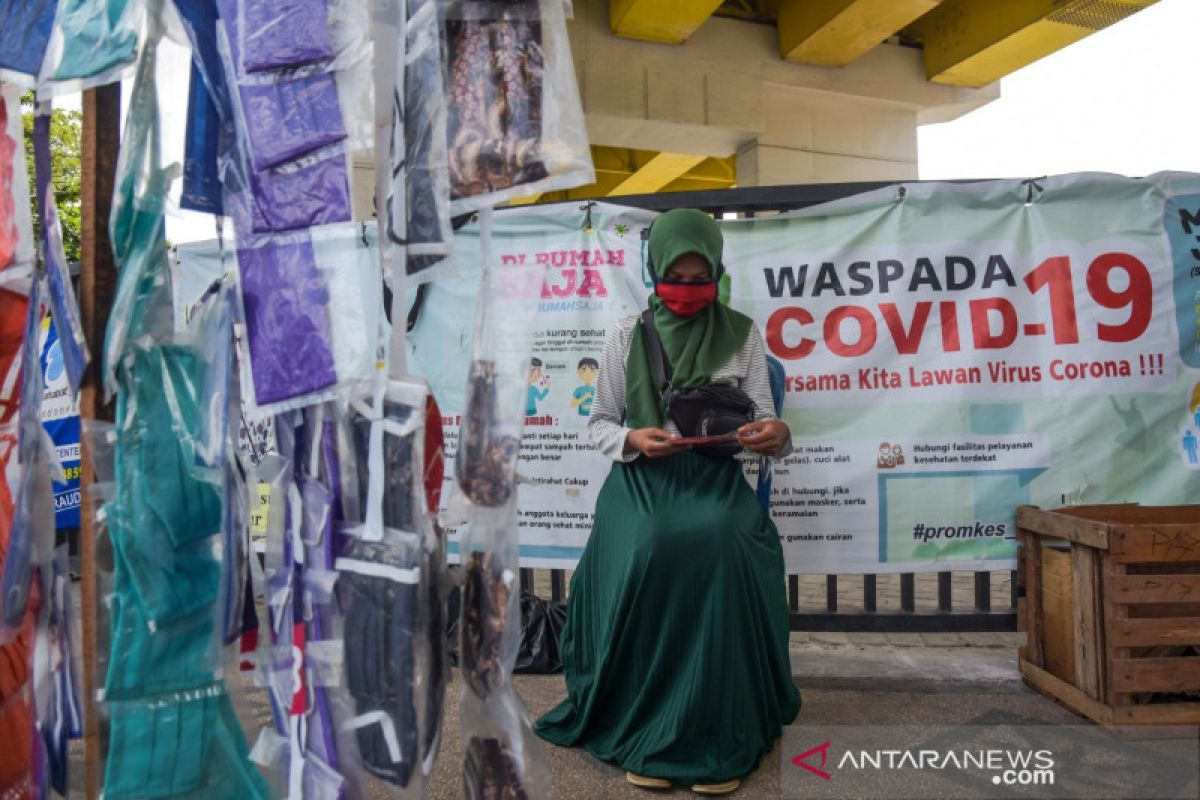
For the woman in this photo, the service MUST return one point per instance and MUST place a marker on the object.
(676, 642)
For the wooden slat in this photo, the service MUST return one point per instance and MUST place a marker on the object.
(1155, 589)
(1110, 571)
(1031, 563)
(1087, 614)
(1158, 714)
(870, 600)
(1057, 590)
(1126, 514)
(831, 594)
(1065, 693)
(1153, 632)
(97, 285)
(1178, 674)
(1063, 526)
(1166, 543)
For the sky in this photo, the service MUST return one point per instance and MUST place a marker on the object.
(1121, 100)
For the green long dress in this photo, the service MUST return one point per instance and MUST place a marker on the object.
(675, 647)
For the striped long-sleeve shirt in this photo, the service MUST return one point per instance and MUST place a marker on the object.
(747, 368)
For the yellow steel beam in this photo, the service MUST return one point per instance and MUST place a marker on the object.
(657, 172)
(527, 200)
(832, 33)
(657, 21)
(618, 166)
(968, 43)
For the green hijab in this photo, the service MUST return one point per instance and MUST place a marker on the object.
(696, 346)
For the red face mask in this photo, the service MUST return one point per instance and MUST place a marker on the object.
(686, 299)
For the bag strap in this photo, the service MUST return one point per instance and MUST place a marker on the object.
(658, 357)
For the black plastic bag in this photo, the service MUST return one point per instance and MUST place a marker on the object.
(541, 625)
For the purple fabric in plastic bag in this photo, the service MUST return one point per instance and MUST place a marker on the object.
(288, 118)
(284, 33)
(315, 194)
(287, 321)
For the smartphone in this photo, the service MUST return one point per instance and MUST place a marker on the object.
(718, 439)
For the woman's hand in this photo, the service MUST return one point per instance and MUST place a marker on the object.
(653, 443)
(767, 436)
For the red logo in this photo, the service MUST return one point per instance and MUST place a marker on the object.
(823, 749)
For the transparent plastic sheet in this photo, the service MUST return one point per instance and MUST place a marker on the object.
(24, 38)
(235, 556)
(14, 308)
(281, 34)
(31, 537)
(503, 757)
(185, 744)
(16, 710)
(389, 709)
(287, 34)
(61, 296)
(57, 670)
(199, 19)
(101, 494)
(210, 111)
(93, 42)
(418, 193)
(347, 25)
(283, 115)
(515, 124)
(316, 295)
(201, 172)
(172, 730)
(16, 224)
(209, 330)
(142, 304)
(498, 380)
(287, 320)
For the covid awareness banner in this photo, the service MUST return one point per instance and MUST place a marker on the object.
(950, 352)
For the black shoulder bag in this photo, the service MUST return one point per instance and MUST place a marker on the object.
(709, 410)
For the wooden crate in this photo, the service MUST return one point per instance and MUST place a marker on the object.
(1133, 609)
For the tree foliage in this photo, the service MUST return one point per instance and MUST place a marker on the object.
(66, 131)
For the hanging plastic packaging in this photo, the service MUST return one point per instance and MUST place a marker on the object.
(390, 592)
(31, 538)
(13, 309)
(64, 308)
(503, 757)
(311, 315)
(172, 729)
(485, 466)
(93, 42)
(201, 174)
(515, 124)
(57, 670)
(16, 712)
(24, 36)
(16, 226)
(277, 34)
(278, 41)
(418, 190)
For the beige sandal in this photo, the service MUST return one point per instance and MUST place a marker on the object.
(646, 782)
(727, 787)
